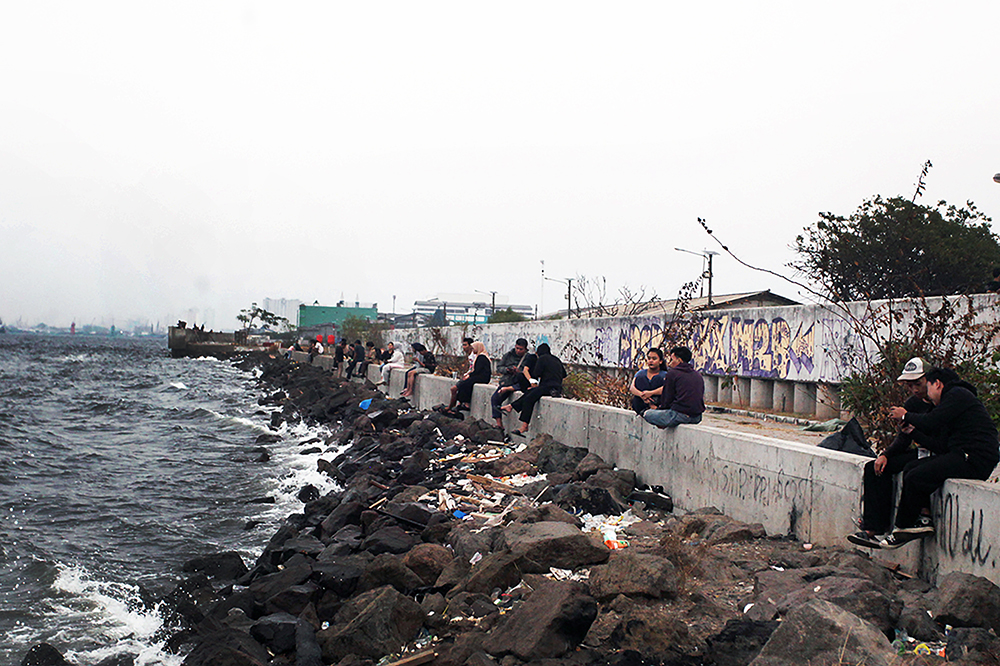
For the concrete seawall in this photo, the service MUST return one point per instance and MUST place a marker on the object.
(791, 488)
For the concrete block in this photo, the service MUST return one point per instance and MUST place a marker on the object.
(827, 402)
(783, 399)
(711, 388)
(727, 386)
(761, 393)
(741, 392)
(804, 400)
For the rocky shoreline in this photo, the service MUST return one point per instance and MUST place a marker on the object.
(447, 546)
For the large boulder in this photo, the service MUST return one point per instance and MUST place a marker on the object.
(387, 569)
(856, 595)
(276, 632)
(372, 624)
(220, 566)
(228, 647)
(427, 560)
(819, 632)
(539, 546)
(965, 600)
(43, 654)
(552, 621)
(634, 575)
(390, 539)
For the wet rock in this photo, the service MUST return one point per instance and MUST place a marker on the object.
(388, 540)
(340, 576)
(539, 546)
(303, 545)
(819, 632)
(634, 575)
(220, 566)
(308, 492)
(347, 512)
(552, 621)
(387, 569)
(44, 654)
(228, 647)
(968, 601)
(276, 632)
(373, 624)
(307, 649)
(344, 542)
(267, 586)
(292, 600)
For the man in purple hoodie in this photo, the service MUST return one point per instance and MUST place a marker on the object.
(683, 395)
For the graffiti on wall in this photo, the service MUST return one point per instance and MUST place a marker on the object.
(754, 347)
(961, 533)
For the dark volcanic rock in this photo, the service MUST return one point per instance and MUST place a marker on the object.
(388, 569)
(539, 546)
(634, 575)
(44, 654)
(556, 457)
(427, 560)
(739, 642)
(856, 595)
(373, 624)
(818, 632)
(550, 623)
(221, 566)
(228, 648)
(276, 632)
(968, 601)
(388, 540)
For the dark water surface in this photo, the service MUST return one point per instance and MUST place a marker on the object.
(117, 464)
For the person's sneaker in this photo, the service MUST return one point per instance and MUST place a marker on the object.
(922, 527)
(865, 538)
(897, 539)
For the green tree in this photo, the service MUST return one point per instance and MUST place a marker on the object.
(248, 316)
(358, 328)
(505, 317)
(895, 248)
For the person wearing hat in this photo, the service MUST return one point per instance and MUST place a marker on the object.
(879, 474)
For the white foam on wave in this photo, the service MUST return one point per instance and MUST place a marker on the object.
(114, 618)
(300, 469)
(206, 359)
(242, 420)
(180, 386)
(73, 358)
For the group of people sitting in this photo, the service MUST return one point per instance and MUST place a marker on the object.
(945, 432)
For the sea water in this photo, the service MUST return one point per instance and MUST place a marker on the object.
(118, 464)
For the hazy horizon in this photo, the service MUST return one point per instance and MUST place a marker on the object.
(161, 159)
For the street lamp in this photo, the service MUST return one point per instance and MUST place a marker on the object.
(493, 305)
(569, 293)
(707, 273)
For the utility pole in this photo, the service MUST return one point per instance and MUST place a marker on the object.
(707, 273)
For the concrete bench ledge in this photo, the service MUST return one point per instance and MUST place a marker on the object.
(791, 488)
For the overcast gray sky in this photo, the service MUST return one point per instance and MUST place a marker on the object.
(157, 157)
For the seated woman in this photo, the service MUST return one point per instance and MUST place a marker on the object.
(547, 380)
(482, 371)
(426, 363)
(648, 383)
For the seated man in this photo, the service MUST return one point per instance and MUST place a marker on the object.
(512, 377)
(961, 432)
(393, 359)
(877, 494)
(358, 357)
(547, 380)
(682, 398)
(426, 363)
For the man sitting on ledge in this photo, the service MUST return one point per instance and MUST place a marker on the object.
(683, 396)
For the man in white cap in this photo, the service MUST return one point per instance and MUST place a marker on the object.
(878, 488)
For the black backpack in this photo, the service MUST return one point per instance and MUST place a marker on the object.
(430, 362)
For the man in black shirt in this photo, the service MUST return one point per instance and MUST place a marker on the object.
(546, 380)
(879, 474)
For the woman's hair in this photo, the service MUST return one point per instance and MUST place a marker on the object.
(659, 354)
(478, 347)
(543, 349)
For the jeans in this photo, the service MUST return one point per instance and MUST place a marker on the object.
(668, 418)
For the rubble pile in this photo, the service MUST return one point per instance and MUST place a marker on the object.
(448, 546)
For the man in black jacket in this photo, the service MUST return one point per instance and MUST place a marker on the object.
(682, 396)
(960, 431)
(512, 378)
(879, 474)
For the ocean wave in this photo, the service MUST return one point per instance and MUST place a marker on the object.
(110, 616)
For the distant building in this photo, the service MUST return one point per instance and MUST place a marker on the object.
(752, 299)
(284, 307)
(446, 309)
(327, 319)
